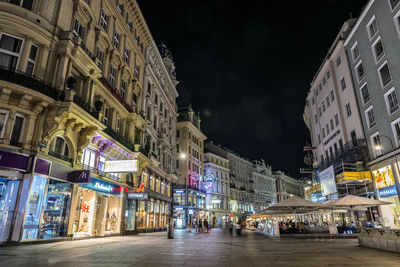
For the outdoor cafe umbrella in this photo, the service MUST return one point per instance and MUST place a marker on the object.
(352, 201)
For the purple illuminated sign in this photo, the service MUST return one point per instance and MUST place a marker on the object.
(79, 176)
(42, 166)
(13, 160)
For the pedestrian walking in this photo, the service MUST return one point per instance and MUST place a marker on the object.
(209, 227)
(205, 225)
(200, 226)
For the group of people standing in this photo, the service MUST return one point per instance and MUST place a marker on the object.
(202, 226)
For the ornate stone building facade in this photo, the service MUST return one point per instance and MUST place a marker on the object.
(264, 186)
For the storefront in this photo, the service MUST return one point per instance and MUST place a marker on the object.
(12, 168)
(99, 209)
(386, 190)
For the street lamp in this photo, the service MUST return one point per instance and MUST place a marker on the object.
(182, 156)
(379, 148)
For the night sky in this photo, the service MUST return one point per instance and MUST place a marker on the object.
(246, 66)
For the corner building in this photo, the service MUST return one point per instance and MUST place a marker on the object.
(71, 81)
(189, 192)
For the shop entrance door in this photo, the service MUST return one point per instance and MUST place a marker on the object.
(101, 203)
(8, 196)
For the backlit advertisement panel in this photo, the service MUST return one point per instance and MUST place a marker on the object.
(327, 180)
(383, 177)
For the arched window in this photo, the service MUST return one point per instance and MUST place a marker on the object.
(59, 148)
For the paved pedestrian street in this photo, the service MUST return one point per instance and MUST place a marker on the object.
(196, 249)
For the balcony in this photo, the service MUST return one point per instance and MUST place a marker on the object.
(92, 111)
(116, 94)
(59, 156)
(119, 138)
(100, 172)
(11, 143)
(30, 82)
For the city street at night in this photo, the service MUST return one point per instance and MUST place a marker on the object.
(193, 249)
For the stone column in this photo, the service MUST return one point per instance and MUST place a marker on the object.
(107, 62)
(41, 61)
(23, 58)
(8, 128)
(62, 71)
(27, 134)
(91, 93)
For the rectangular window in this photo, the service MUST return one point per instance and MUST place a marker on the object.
(348, 110)
(78, 29)
(123, 89)
(341, 144)
(118, 125)
(27, 4)
(372, 28)
(327, 129)
(10, 50)
(31, 60)
(324, 81)
(177, 133)
(127, 54)
(396, 130)
(376, 144)
(99, 57)
(116, 39)
(323, 107)
(370, 117)
(377, 47)
(336, 119)
(112, 75)
(17, 130)
(384, 74)
(3, 120)
(328, 101)
(355, 52)
(137, 71)
(336, 149)
(394, 3)
(104, 19)
(319, 139)
(328, 74)
(343, 83)
(129, 25)
(332, 125)
(332, 95)
(338, 61)
(106, 114)
(360, 72)
(365, 93)
(313, 100)
(120, 7)
(315, 119)
(391, 101)
(320, 111)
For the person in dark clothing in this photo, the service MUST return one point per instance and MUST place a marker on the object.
(200, 226)
(206, 225)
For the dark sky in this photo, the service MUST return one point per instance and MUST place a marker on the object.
(246, 66)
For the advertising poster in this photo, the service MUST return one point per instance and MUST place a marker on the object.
(327, 180)
(383, 177)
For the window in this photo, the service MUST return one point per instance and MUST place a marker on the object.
(338, 61)
(327, 129)
(376, 144)
(370, 117)
(341, 144)
(88, 158)
(394, 3)
(397, 23)
(3, 120)
(372, 28)
(134, 99)
(31, 60)
(116, 39)
(129, 25)
(10, 50)
(328, 74)
(360, 72)
(332, 125)
(78, 29)
(332, 95)
(336, 119)
(17, 130)
(137, 71)
(104, 19)
(348, 110)
(316, 91)
(396, 131)
(59, 146)
(354, 51)
(112, 75)
(315, 118)
(343, 83)
(23, 3)
(320, 87)
(323, 106)
(99, 57)
(127, 54)
(118, 125)
(313, 100)
(391, 101)
(106, 114)
(177, 133)
(320, 111)
(319, 139)
(324, 81)
(377, 48)
(384, 74)
(120, 7)
(336, 149)
(328, 102)
(123, 89)
(365, 93)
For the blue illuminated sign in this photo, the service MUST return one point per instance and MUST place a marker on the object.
(388, 191)
(103, 186)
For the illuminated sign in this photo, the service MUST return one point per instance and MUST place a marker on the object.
(141, 188)
(191, 212)
(85, 208)
(209, 181)
(327, 180)
(121, 166)
(216, 201)
(383, 177)
(178, 191)
(388, 191)
(103, 186)
(137, 196)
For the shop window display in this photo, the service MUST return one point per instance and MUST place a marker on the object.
(56, 210)
(150, 214)
(8, 196)
(112, 215)
(141, 214)
(85, 217)
(130, 215)
(156, 215)
(33, 208)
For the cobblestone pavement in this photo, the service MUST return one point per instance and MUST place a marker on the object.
(196, 249)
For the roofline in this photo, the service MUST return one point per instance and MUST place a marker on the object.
(360, 18)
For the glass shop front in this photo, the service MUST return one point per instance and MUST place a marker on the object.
(99, 207)
(8, 199)
(152, 214)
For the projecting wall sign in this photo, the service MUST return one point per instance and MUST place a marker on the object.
(121, 166)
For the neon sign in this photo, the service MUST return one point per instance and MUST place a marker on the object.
(85, 208)
(388, 191)
(141, 188)
(103, 187)
(209, 181)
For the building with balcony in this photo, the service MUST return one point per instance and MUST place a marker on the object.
(189, 191)
(71, 81)
(264, 186)
(372, 47)
(217, 183)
